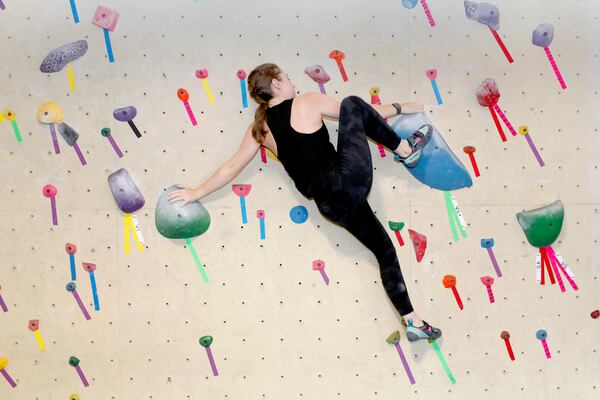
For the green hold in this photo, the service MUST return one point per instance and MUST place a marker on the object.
(73, 361)
(176, 222)
(542, 225)
(396, 226)
(105, 132)
(393, 338)
(206, 341)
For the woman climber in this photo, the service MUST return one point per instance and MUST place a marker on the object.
(339, 180)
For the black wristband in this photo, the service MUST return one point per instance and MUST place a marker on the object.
(398, 108)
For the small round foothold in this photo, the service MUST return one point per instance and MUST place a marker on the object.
(105, 132)
(595, 314)
(74, 396)
(487, 280)
(487, 243)
(73, 361)
(523, 130)
(3, 363)
(318, 265)
(202, 73)
(71, 286)
(449, 281)
(299, 214)
(504, 335)
(374, 91)
(183, 94)
(70, 248)
(88, 266)
(541, 334)
(241, 74)
(469, 149)
(206, 341)
(10, 115)
(33, 325)
(337, 55)
(49, 190)
(431, 73)
(260, 214)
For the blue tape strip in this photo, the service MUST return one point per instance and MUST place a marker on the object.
(73, 270)
(94, 292)
(244, 94)
(74, 10)
(243, 207)
(109, 51)
(262, 229)
(436, 91)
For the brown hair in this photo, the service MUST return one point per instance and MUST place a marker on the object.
(259, 86)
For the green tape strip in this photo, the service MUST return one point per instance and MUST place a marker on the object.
(16, 129)
(451, 215)
(443, 361)
(197, 260)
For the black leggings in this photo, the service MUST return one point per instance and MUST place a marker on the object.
(348, 183)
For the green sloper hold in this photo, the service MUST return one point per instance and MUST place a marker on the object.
(396, 226)
(176, 222)
(393, 338)
(206, 341)
(542, 225)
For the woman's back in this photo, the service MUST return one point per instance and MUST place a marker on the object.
(304, 155)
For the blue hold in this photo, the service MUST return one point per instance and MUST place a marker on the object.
(299, 214)
(439, 168)
(409, 3)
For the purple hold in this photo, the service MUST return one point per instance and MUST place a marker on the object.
(543, 35)
(485, 13)
(126, 193)
(127, 114)
(59, 57)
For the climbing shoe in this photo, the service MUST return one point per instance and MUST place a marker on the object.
(417, 142)
(421, 332)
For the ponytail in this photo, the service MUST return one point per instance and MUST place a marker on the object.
(260, 118)
(259, 86)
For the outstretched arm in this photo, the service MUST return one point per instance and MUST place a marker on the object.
(330, 107)
(224, 174)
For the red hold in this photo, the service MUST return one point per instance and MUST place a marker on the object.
(419, 242)
(470, 150)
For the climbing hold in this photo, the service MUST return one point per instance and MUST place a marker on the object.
(176, 222)
(419, 242)
(126, 193)
(439, 168)
(542, 225)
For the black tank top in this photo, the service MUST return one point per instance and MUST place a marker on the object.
(305, 157)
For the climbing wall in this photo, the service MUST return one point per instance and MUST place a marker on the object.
(280, 328)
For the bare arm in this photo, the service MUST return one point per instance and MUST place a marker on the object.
(330, 107)
(224, 174)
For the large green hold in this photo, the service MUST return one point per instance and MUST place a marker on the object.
(176, 222)
(542, 225)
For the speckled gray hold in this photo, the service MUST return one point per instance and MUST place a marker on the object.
(69, 134)
(58, 58)
(543, 35)
(485, 13)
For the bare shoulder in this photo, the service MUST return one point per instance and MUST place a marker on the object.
(316, 102)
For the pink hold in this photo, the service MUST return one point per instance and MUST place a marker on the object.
(241, 74)
(106, 18)
(202, 73)
(488, 93)
(431, 73)
(260, 214)
(317, 73)
(318, 265)
(49, 190)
